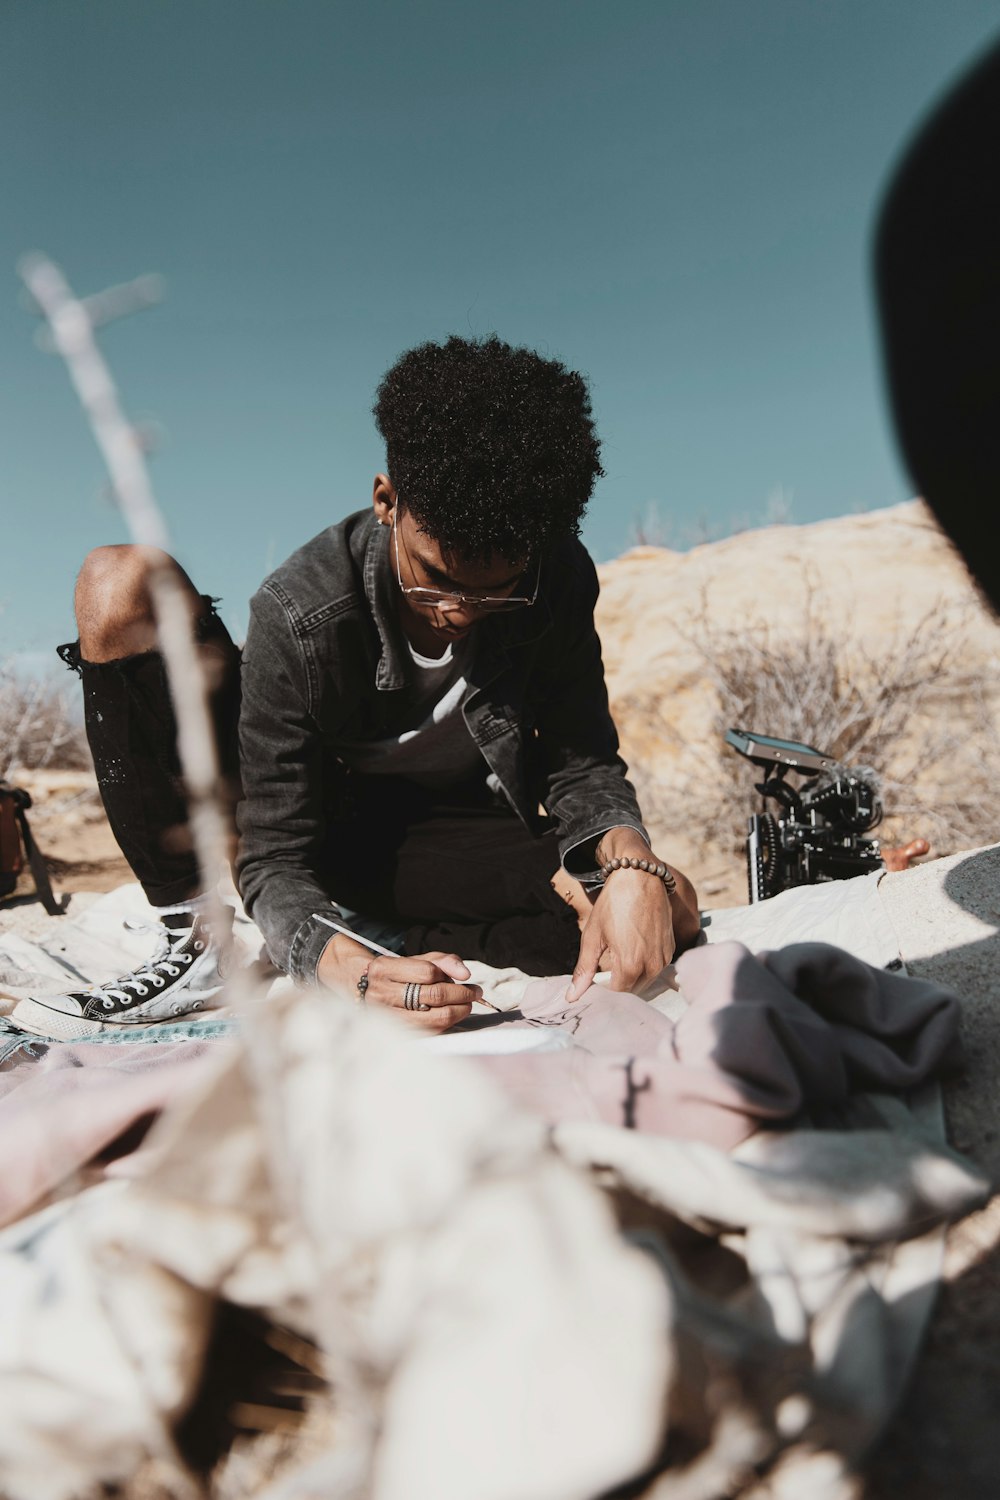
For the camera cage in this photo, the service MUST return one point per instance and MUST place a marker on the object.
(816, 833)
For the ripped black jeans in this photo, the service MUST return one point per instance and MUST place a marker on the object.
(132, 735)
(458, 873)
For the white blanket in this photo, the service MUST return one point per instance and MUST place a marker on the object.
(504, 1314)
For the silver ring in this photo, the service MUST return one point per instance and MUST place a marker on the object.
(411, 997)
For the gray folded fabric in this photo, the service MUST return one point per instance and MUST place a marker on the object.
(763, 1039)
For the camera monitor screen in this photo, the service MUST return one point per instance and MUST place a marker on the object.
(765, 749)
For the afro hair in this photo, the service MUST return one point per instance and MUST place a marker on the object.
(492, 449)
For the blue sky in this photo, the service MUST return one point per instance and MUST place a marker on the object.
(674, 196)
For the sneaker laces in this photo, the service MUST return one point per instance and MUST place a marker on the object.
(138, 982)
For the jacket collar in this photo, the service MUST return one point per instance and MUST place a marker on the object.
(380, 591)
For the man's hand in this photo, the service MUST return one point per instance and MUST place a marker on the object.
(633, 924)
(439, 976)
(900, 858)
(636, 926)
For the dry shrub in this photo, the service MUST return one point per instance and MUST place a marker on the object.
(651, 528)
(913, 710)
(40, 723)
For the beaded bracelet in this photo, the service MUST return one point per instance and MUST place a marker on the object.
(660, 871)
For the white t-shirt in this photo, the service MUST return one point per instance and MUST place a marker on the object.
(431, 745)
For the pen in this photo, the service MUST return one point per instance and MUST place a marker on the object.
(368, 943)
(374, 947)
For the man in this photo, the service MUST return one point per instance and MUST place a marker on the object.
(416, 681)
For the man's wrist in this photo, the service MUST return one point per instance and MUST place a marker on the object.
(629, 847)
(621, 843)
(339, 953)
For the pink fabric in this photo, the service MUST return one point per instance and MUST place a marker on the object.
(61, 1110)
(762, 1039)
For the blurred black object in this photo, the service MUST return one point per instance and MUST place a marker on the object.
(938, 284)
(815, 832)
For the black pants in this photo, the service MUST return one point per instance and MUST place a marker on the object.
(457, 872)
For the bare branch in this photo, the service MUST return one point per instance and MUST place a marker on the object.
(72, 327)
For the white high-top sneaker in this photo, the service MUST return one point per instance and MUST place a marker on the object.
(183, 973)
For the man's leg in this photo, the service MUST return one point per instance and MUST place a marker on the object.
(477, 883)
(465, 877)
(129, 715)
(133, 737)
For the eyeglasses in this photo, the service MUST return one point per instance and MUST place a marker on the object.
(448, 599)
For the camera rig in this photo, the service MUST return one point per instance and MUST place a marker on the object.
(815, 832)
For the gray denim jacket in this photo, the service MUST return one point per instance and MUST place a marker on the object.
(324, 656)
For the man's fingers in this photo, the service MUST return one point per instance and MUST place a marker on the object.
(449, 994)
(438, 1018)
(395, 984)
(438, 976)
(591, 949)
(425, 968)
(450, 963)
(422, 970)
(627, 978)
(437, 986)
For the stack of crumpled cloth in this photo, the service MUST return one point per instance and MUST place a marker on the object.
(759, 1041)
(679, 1249)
